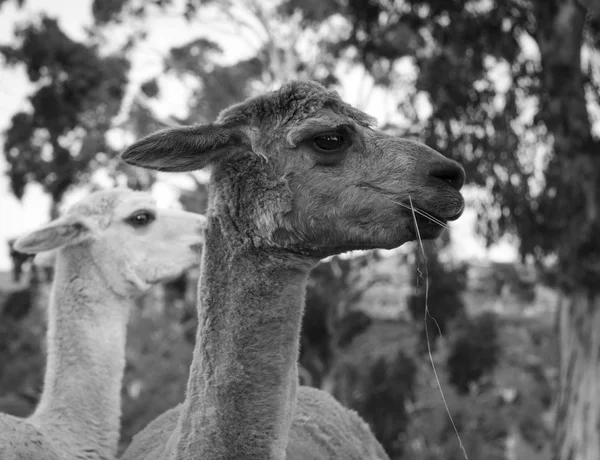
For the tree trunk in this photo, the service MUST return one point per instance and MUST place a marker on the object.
(578, 402)
(574, 174)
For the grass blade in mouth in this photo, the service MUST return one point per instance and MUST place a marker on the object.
(427, 314)
(419, 211)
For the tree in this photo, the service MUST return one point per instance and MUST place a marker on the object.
(78, 92)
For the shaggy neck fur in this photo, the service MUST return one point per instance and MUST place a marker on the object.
(243, 379)
(80, 403)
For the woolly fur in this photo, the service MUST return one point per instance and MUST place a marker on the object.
(96, 281)
(277, 204)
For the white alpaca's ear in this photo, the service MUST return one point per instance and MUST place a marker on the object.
(60, 232)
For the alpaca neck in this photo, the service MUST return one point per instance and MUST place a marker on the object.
(243, 379)
(80, 403)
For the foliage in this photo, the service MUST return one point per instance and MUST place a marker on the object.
(18, 2)
(158, 360)
(384, 406)
(494, 104)
(498, 418)
(78, 92)
(442, 299)
(16, 306)
(22, 353)
(221, 85)
(482, 427)
(106, 11)
(474, 350)
(335, 288)
(377, 376)
(17, 259)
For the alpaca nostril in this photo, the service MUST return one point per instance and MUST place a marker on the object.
(450, 172)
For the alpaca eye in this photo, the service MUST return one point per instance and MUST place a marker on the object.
(330, 142)
(141, 219)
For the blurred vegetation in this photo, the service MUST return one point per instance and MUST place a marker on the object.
(473, 352)
(443, 297)
(508, 88)
(496, 370)
(496, 106)
(77, 94)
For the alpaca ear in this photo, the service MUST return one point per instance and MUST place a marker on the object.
(186, 148)
(60, 232)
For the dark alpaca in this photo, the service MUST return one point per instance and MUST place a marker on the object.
(297, 175)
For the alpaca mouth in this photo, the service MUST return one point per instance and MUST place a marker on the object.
(449, 209)
(428, 224)
(430, 216)
(455, 205)
(423, 214)
(429, 221)
(450, 217)
(456, 215)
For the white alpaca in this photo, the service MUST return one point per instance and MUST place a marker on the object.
(109, 248)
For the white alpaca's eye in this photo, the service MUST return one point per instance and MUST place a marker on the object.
(141, 219)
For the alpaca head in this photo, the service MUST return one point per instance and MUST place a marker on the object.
(298, 169)
(124, 236)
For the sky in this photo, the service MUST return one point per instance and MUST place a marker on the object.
(18, 217)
